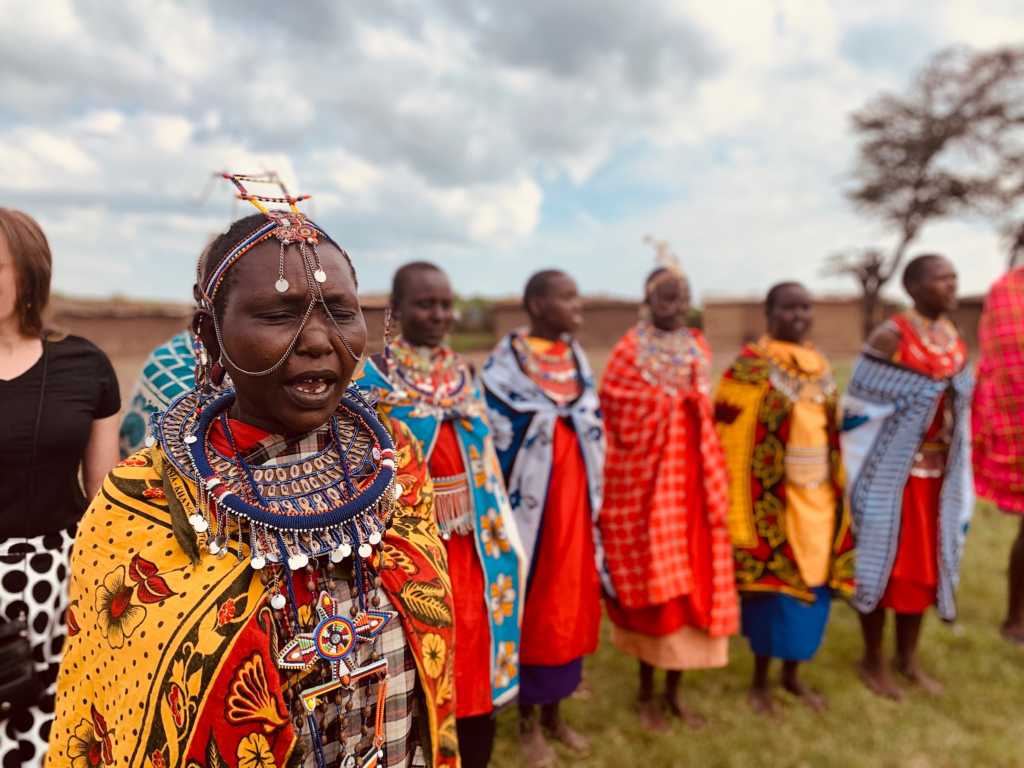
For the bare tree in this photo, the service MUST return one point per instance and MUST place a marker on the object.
(951, 145)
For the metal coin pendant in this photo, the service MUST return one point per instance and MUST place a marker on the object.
(281, 285)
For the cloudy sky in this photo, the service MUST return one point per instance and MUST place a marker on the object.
(495, 138)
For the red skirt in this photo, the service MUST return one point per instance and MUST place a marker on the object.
(562, 617)
(472, 626)
(915, 572)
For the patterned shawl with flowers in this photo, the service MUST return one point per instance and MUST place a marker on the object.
(170, 659)
(497, 541)
(650, 423)
(753, 420)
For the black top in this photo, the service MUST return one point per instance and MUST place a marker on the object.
(80, 387)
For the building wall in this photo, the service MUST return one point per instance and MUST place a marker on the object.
(604, 320)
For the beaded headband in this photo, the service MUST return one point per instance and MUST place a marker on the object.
(290, 228)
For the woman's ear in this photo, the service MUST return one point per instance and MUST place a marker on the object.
(202, 326)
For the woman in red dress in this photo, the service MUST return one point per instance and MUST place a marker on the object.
(924, 340)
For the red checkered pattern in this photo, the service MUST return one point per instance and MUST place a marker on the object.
(655, 438)
(999, 396)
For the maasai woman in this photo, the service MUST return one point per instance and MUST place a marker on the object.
(168, 372)
(906, 445)
(429, 387)
(547, 428)
(265, 586)
(665, 503)
(776, 410)
(996, 417)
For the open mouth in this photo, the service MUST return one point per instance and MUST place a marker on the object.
(311, 389)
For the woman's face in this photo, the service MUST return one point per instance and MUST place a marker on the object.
(936, 289)
(560, 308)
(8, 283)
(669, 302)
(792, 315)
(426, 311)
(259, 323)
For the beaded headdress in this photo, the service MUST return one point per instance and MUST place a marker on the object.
(291, 229)
(666, 261)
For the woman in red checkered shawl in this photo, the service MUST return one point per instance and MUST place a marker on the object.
(664, 516)
(998, 438)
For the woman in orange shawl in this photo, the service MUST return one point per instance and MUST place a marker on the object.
(663, 522)
(264, 585)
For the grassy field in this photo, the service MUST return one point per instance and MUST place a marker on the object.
(977, 722)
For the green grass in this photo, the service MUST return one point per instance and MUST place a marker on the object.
(977, 722)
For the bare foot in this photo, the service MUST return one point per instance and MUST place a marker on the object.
(583, 691)
(762, 702)
(574, 740)
(814, 700)
(1013, 632)
(651, 717)
(916, 676)
(691, 719)
(537, 753)
(878, 681)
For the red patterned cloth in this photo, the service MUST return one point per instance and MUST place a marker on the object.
(999, 396)
(657, 437)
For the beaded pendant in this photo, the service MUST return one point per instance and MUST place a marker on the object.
(334, 502)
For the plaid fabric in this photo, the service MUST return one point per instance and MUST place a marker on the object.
(653, 435)
(401, 727)
(999, 397)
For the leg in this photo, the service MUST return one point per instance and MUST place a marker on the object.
(552, 720)
(675, 702)
(760, 695)
(908, 633)
(1013, 627)
(872, 667)
(791, 682)
(476, 740)
(647, 708)
(537, 753)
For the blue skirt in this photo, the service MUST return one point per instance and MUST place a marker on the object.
(783, 627)
(549, 685)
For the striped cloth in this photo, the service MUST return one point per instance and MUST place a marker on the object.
(999, 397)
(886, 412)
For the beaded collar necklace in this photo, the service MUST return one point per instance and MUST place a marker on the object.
(939, 336)
(435, 379)
(794, 382)
(671, 359)
(556, 373)
(335, 501)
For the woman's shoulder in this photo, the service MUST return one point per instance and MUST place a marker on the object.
(76, 348)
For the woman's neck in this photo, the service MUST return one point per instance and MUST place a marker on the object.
(11, 337)
(541, 331)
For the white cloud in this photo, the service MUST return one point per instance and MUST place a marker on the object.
(477, 134)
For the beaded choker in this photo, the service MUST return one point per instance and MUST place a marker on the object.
(436, 380)
(334, 501)
(553, 369)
